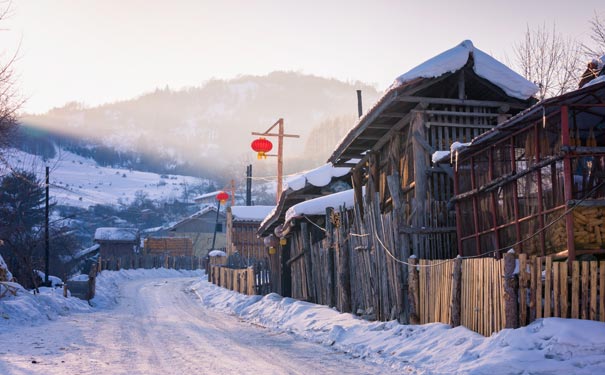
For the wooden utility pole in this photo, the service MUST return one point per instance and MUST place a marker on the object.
(46, 238)
(232, 192)
(280, 150)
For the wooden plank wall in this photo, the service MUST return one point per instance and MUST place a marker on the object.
(376, 276)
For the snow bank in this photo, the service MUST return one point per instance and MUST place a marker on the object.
(547, 346)
(28, 309)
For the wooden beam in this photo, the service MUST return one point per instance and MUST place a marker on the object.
(345, 165)
(393, 114)
(398, 126)
(472, 103)
(457, 113)
(380, 126)
(370, 137)
(277, 135)
(501, 181)
(425, 145)
(428, 124)
(586, 203)
(584, 150)
(408, 229)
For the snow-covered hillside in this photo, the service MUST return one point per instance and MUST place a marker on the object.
(79, 181)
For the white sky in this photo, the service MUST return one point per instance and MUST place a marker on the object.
(105, 50)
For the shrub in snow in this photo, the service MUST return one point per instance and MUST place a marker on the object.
(5, 274)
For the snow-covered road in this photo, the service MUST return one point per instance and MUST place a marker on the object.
(160, 327)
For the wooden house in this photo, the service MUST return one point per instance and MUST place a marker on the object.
(536, 183)
(242, 224)
(200, 228)
(319, 256)
(172, 246)
(311, 184)
(453, 97)
(116, 242)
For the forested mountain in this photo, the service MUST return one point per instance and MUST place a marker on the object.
(204, 130)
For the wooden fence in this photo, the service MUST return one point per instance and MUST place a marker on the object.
(238, 280)
(150, 261)
(486, 295)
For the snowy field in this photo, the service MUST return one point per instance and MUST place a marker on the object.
(174, 322)
(79, 181)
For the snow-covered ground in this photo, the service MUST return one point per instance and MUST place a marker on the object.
(174, 322)
(79, 181)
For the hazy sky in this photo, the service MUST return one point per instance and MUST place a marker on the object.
(105, 50)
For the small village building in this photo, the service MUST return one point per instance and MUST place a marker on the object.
(536, 183)
(315, 183)
(453, 97)
(319, 266)
(200, 228)
(405, 210)
(242, 225)
(117, 242)
(171, 246)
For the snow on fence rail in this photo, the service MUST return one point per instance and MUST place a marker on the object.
(151, 261)
(486, 295)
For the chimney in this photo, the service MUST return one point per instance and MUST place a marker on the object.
(359, 106)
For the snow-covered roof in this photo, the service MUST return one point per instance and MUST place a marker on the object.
(518, 93)
(205, 209)
(320, 176)
(484, 65)
(116, 234)
(86, 251)
(318, 206)
(250, 213)
(212, 194)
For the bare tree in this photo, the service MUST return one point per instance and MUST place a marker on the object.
(596, 48)
(10, 101)
(550, 60)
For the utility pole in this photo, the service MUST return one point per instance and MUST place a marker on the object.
(232, 192)
(280, 150)
(218, 209)
(46, 240)
(249, 185)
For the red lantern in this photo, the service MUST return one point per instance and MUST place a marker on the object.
(222, 197)
(262, 146)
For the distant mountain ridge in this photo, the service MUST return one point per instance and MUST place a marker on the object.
(205, 128)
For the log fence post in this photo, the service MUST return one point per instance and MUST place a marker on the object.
(510, 292)
(413, 284)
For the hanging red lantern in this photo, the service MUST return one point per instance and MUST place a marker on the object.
(261, 146)
(222, 197)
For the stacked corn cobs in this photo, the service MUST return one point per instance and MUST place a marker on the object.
(589, 229)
